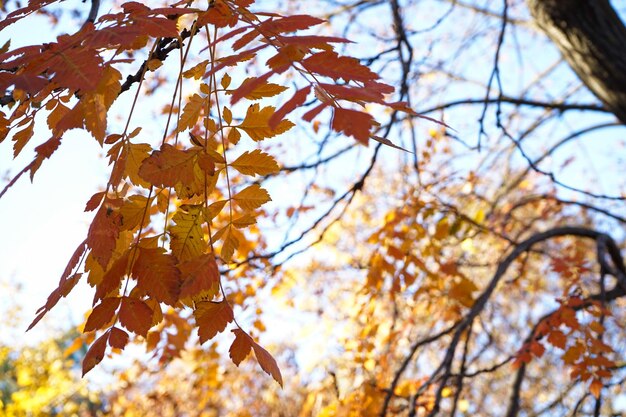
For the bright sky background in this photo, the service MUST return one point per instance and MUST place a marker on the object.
(43, 222)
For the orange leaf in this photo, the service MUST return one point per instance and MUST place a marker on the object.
(255, 163)
(256, 123)
(595, 388)
(252, 197)
(260, 90)
(267, 362)
(102, 314)
(212, 318)
(95, 354)
(537, 349)
(103, 232)
(241, 346)
(134, 211)
(200, 276)
(191, 112)
(136, 316)
(169, 166)
(157, 274)
(557, 339)
(112, 278)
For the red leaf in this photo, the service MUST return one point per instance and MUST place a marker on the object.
(330, 64)
(102, 314)
(241, 346)
(353, 123)
(297, 100)
(157, 275)
(200, 276)
(310, 115)
(112, 278)
(118, 338)
(212, 318)
(103, 233)
(136, 316)
(94, 201)
(95, 354)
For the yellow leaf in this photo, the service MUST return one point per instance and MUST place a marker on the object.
(252, 197)
(255, 163)
(196, 72)
(135, 154)
(187, 235)
(244, 221)
(229, 246)
(255, 124)
(191, 112)
(134, 211)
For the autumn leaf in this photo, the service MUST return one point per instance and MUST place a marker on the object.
(595, 387)
(191, 112)
(112, 278)
(134, 155)
(557, 339)
(297, 100)
(102, 314)
(118, 338)
(241, 346)
(134, 211)
(231, 243)
(157, 274)
(252, 197)
(200, 277)
(267, 362)
(169, 166)
(95, 354)
(254, 163)
(103, 232)
(187, 235)
(256, 123)
(136, 316)
(212, 318)
(353, 123)
(261, 90)
(330, 64)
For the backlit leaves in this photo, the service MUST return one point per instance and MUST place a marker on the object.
(255, 163)
(212, 318)
(187, 234)
(241, 348)
(256, 123)
(169, 166)
(136, 316)
(252, 197)
(157, 274)
(200, 277)
(191, 112)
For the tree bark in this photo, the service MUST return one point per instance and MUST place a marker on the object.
(592, 39)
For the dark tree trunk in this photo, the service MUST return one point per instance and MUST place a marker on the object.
(592, 39)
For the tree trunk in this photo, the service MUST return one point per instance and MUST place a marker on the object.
(592, 39)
